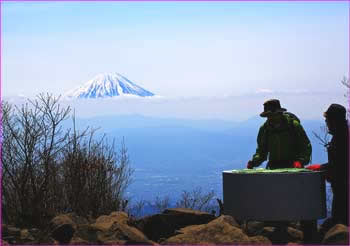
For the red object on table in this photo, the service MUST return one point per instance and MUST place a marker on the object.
(314, 167)
(297, 164)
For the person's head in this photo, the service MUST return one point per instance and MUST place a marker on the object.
(275, 118)
(335, 116)
(273, 111)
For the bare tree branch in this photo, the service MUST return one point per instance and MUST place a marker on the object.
(323, 137)
(48, 169)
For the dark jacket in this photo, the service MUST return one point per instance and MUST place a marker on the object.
(283, 145)
(338, 170)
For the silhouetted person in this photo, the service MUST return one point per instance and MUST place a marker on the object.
(282, 139)
(337, 167)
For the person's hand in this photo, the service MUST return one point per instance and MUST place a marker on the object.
(314, 167)
(297, 164)
(250, 165)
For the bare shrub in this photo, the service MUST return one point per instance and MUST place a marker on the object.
(197, 200)
(47, 169)
(160, 204)
(32, 141)
(346, 82)
(137, 209)
(323, 137)
(95, 176)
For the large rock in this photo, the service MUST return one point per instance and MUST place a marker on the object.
(105, 222)
(227, 219)
(259, 240)
(284, 236)
(77, 219)
(110, 229)
(26, 236)
(338, 234)
(295, 235)
(78, 241)
(190, 213)
(253, 228)
(123, 234)
(274, 231)
(161, 226)
(218, 231)
(62, 228)
(86, 233)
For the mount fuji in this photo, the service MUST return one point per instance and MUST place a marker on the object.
(108, 85)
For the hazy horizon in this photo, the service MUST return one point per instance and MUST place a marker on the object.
(231, 108)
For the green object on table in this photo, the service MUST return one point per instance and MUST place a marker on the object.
(280, 170)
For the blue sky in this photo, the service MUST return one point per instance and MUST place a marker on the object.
(178, 49)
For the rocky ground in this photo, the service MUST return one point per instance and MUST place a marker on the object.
(173, 226)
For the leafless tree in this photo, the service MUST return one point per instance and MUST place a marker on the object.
(137, 210)
(346, 82)
(160, 204)
(32, 142)
(47, 169)
(323, 137)
(95, 176)
(197, 200)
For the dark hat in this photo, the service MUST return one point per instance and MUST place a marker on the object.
(272, 106)
(335, 111)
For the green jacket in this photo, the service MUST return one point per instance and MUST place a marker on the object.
(285, 144)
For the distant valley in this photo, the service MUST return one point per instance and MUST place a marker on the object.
(172, 155)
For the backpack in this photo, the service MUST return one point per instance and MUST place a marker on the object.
(292, 116)
(291, 126)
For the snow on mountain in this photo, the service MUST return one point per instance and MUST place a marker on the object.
(108, 85)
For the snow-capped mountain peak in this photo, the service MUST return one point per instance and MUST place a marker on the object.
(108, 85)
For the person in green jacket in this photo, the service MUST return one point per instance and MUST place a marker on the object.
(281, 139)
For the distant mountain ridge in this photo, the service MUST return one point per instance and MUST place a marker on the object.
(108, 85)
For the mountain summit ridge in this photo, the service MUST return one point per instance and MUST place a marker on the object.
(108, 85)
